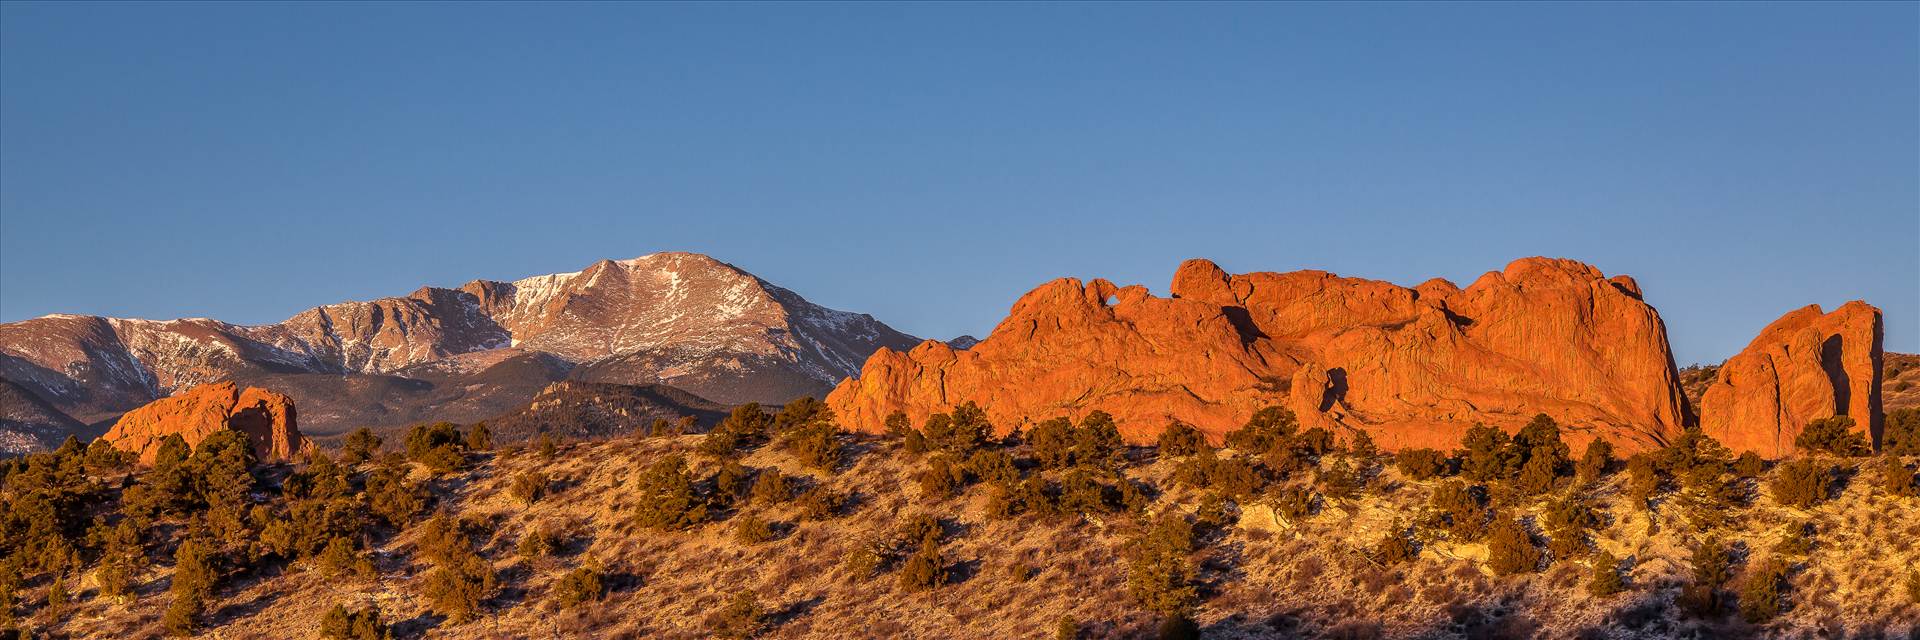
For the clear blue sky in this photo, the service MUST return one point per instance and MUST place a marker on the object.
(930, 163)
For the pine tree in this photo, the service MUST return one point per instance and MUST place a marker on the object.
(193, 582)
(1605, 579)
(359, 446)
(1510, 549)
(666, 496)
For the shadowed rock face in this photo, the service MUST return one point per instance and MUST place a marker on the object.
(1412, 366)
(266, 417)
(1805, 366)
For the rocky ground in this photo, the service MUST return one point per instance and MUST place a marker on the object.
(1265, 577)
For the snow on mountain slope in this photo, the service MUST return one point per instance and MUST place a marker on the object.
(650, 319)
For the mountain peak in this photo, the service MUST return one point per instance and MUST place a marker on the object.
(675, 317)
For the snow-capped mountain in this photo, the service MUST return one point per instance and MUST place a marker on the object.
(682, 319)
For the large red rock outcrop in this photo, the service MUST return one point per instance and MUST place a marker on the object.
(1806, 365)
(266, 417)
(1411, 366)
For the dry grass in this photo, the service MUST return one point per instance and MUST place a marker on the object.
(1263, 579)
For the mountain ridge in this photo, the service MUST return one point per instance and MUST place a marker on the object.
(682, 319)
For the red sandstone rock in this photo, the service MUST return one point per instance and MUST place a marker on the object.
(266, 417)
(1806, 365)
(1413, 367)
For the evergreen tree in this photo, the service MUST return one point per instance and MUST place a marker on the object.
(666, 497)
(359, 446)
(1605, 579)
(1510, 549)
(1833, 436)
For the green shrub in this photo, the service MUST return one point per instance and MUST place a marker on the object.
(919, 531)
(731, 483)
(1360, 445)
(1797, 539)
(1901, 434)
(1395, 548)
(1181, 439)
(815, 446)
(103, 458)
(1462, 508)
(925, 569)
(1267, 428)
(341, 558)
(747, 425)
(960, 432)
(665, 496)
(479, 437)
(1232, 476)
(581, 585)
(1834, 436)
(1596, 461)
(1315, 442)
(1763, 595)
(898, 425)
(741, 618)
(192, 586)
(751, 530)
(1712, 568)
(1643, 479)
(942, 478)
(1536, 477)
(1510, 549)
(1293, 503)
(538, 541)
(1421, 464)
(771, 487)
(1895, 478)
(340, 623)
(1159, 576)
(439, 446)
(819, 503)
(390, 497)
(528, 487)
(1066, 629)
(1339, 482)
(1802, 483)
(1080, 493)
(993, 466)
(457, 587)
(359, 446)
(863, 558)
(1749, 465)
(1605, 579)
(1489, 454)
(1059, 444)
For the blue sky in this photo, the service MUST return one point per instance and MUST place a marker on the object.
(930, 163)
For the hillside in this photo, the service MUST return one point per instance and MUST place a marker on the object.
(584, 410)
(1289, 557)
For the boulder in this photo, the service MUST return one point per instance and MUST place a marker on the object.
(1414, 367)
(1805, 366)
(266, 417)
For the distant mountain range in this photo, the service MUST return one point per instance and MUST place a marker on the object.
(679, 319)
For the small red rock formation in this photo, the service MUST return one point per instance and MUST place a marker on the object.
(266, 417)
(1414, 367)
(1805, 366)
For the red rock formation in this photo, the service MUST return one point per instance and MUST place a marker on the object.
(1412, 366)
(1806, 365)
(266, 417)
